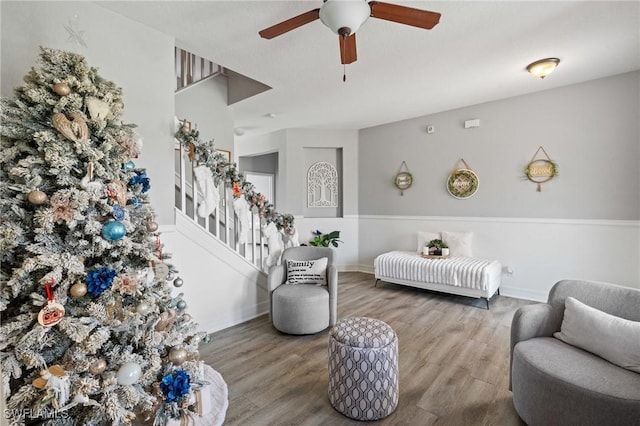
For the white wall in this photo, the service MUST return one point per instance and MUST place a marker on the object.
(539, 251)
(220, 288)
(584, 224)
(137, 58)
(291, 187)
(205, 105)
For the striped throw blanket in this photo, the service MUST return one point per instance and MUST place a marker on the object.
(456, 271)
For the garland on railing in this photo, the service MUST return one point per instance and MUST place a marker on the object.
(203, 153)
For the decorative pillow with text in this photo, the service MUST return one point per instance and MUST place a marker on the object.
(307, 271)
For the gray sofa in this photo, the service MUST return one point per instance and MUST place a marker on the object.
(554, 383)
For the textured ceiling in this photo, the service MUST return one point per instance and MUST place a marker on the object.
(477, 53)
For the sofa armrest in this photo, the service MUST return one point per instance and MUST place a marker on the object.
(277, 276)
(540, 320)
(332, 283)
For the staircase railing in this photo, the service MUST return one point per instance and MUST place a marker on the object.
(212, 192)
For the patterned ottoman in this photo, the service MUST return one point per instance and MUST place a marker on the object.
(363, 368)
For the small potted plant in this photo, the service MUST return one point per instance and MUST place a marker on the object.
(438, 247)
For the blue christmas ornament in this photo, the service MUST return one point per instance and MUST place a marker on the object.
(100, 280)
(136, 202)
(175, 385)
(129, 165)
(118, 212)
(141, 179)
(113, 230)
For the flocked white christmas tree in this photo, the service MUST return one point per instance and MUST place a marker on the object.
(90, 332)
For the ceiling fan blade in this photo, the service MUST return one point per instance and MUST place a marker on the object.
(348, 49)
(404, 15)
(290, 24)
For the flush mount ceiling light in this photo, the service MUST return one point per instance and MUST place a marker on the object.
(543, 67)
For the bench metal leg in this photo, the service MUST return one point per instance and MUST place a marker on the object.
(376, 284)
(498, 291)
(486, 300)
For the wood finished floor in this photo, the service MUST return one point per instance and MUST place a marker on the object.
(453, 360)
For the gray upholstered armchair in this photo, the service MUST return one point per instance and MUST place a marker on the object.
(303, 308)
(555, 383)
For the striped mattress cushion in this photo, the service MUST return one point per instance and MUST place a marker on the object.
(456, 271)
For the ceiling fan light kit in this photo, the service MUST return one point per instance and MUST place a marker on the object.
(543, 67)
(344, 17)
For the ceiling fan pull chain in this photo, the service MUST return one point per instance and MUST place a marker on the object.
(344, 73)
(343, 38)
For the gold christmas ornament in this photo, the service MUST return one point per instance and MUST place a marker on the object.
(97, 367)
(75, 130)
(152, 226)
(178, 355)
(167, 319)
(117, 190)
(79, 289)
(45, 375)
(62, 89)
(37, 197)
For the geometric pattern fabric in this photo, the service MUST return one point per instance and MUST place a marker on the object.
(363, 368)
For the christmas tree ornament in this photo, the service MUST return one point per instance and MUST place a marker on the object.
(186, 317)
(178, 282)
(182, 305)
(113, 230)
(97, 367)
(99, 280)
(175, 385)
(129, 165)
(37, 197)
(129, 373)
(75, 130)
(53, 312)
(178, 355)
(170, 276)
(152, 226)
(118, 212)
(160, 270)
(117, 190)
(98, 109)
(45, 376)
(62, 89)
(79, 289)
(167, 318)
(143, 308)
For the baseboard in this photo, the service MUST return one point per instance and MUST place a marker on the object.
(247, 314)
(519, 293)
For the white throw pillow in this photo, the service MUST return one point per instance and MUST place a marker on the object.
(613, 338)
(307, 271)
(459, 243)
(424, 237)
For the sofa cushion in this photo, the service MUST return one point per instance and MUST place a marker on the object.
(459, 243)
(612, 338)
(559, 384)
(564, 365)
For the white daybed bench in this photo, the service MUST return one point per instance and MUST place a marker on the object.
(463, 276)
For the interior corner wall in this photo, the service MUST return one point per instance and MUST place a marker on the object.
(135, 57)
(205, 105)
(585, 223)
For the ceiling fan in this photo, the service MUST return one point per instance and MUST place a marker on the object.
(344, 17)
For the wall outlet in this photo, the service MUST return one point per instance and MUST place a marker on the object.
(507, 270)
(431, 129)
